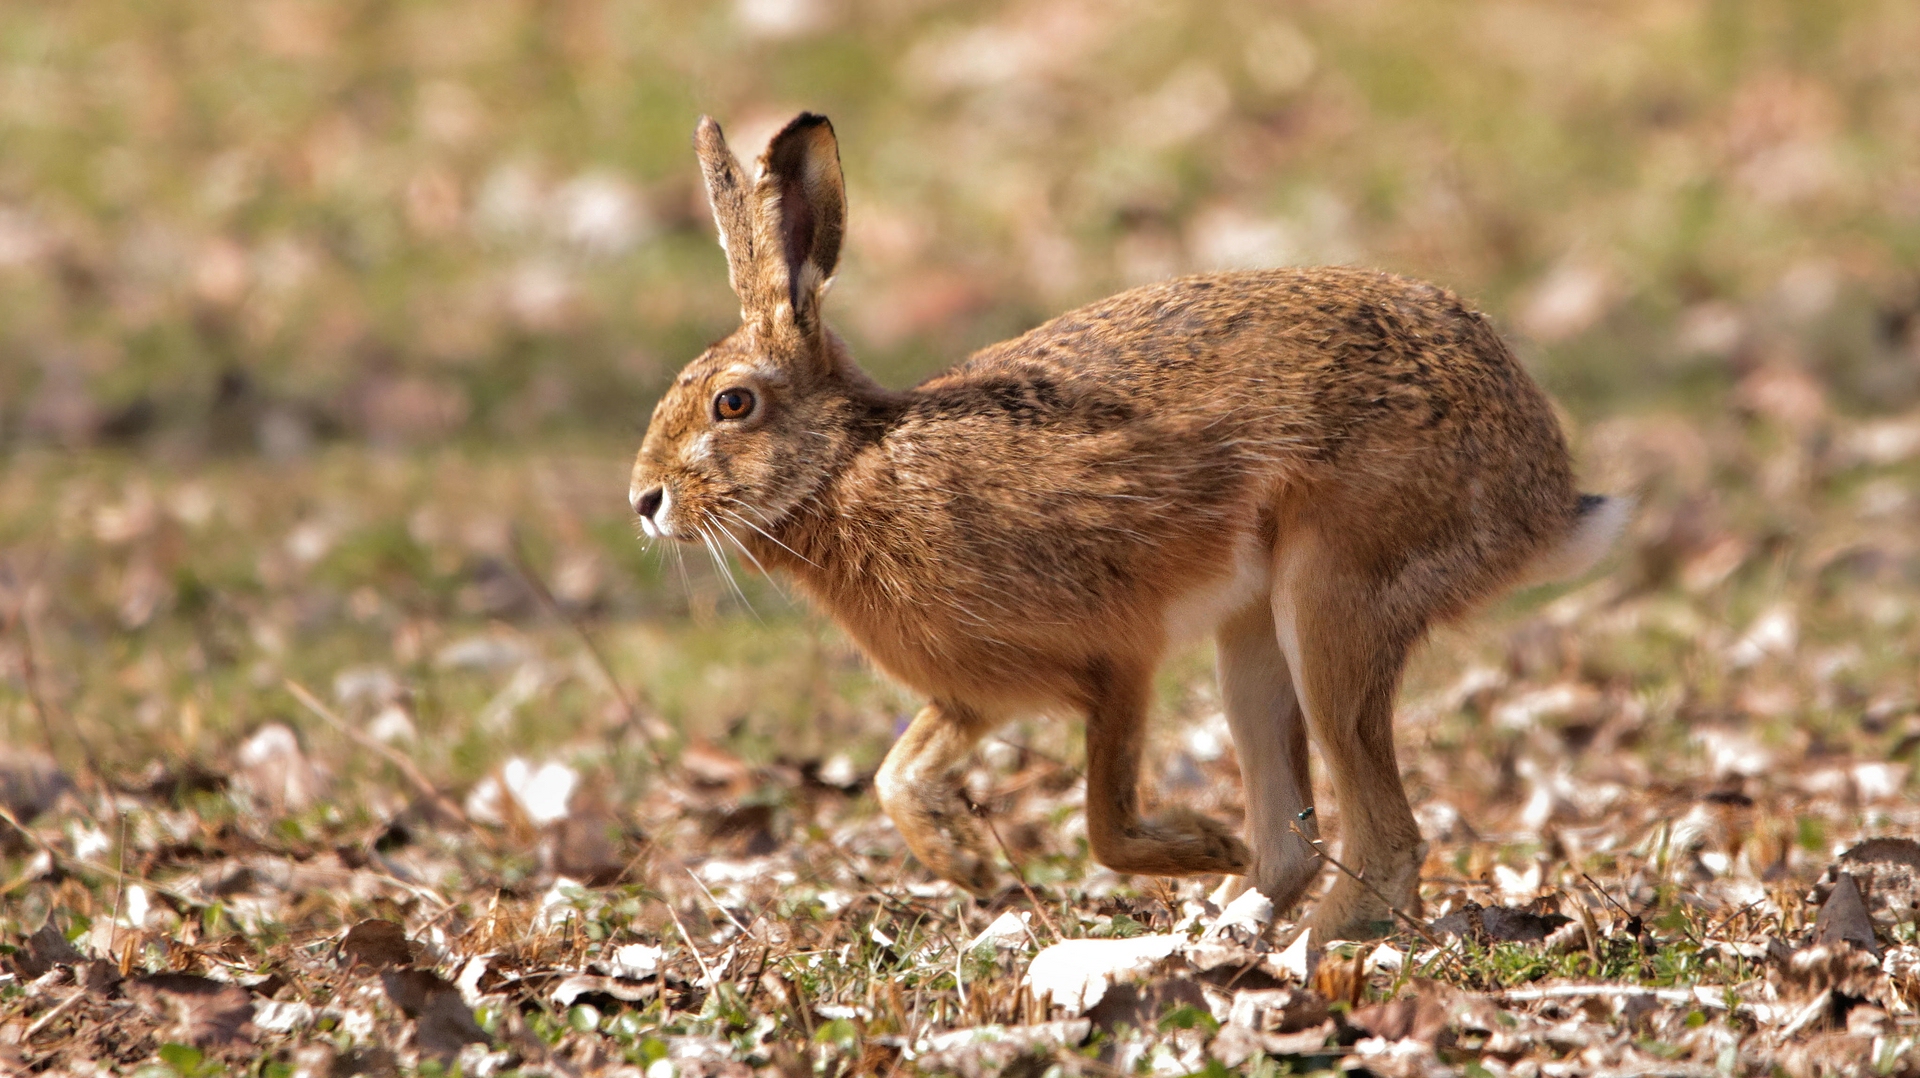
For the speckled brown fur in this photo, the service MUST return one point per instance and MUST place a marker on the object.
(1314, 464)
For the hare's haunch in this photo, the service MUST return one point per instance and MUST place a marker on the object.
(1313, 465)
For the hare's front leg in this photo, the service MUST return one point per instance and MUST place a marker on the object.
(1270, 738)
(1178, 842)
(919, 785)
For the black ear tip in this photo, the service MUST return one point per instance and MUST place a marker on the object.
(806, 123)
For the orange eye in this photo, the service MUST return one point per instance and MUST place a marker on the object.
(735, 403)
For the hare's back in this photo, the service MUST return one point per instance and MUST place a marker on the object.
(1381, 394)
(1319, 362)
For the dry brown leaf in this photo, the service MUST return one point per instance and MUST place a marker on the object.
(1843, 917)
(1887, 851)
(1142, 1006)
(1341, 979)
(379, 944)
(1277, 1010)
(375, 1062)
(443, 1023)
(45, 949)
(194, 1009)
(1235, 1044)
(1421, 1018)
(1500, 924)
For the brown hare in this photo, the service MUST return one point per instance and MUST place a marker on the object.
(1313, 465)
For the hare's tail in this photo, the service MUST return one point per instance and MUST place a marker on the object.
(1596, 525)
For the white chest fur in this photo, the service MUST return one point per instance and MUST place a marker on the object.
(1246, 578)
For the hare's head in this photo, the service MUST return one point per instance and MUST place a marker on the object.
(749, 428)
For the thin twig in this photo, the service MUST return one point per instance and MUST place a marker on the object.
(47, 1019)
(635, 721)
(1729, 919)
(724, 912)
(1419, 927)
(113, 926)
(1604, 991)
(960, 976)
(706, 971)
(393, 756)
(1019, 876)
(1602, 892)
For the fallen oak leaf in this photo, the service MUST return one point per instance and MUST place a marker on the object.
(46, 948)
(1143, 1006)
(196, 1010)
(1277, 1010)
(1421, 1018)
(442, 1022)
(1843, 917)
(1236, 937)
(379, 944)
(1499, 924)
(374, 1061)
(1235, 1044)
(1884, 850)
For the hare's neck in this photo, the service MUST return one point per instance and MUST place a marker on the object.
(824, 539)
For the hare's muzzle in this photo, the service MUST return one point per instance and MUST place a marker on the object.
(646, 504)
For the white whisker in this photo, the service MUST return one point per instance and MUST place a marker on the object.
(742, 548)
(680, 565)
(720, 562)
(742, 519)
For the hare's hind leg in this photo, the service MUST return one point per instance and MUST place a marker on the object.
(1270, 738)
(1178, 842)
(919, 785)
(1346, 652)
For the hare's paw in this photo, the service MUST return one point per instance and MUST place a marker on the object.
(943, 834)
(1349, 914)
(958, 858)
(1203, 842)
(1178, 842)
(1353, 910)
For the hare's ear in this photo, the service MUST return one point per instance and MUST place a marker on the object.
(802, 214)
(730, 195)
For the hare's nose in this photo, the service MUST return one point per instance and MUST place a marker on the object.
(649, 503)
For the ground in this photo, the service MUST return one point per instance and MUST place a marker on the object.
(347, 726)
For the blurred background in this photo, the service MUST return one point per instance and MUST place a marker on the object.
(328, 329)
(261, 227)
(307, 307)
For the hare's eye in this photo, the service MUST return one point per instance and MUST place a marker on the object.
(736, 403)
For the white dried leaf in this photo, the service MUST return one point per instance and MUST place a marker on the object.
(541, 792)
(1076, 974)
(1009, 930)
(1298, 960)
(636, 961)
